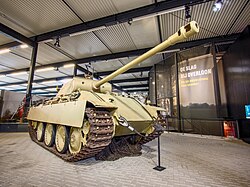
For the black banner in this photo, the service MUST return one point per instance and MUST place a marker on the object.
(197, 97)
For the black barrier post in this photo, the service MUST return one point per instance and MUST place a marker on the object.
(183, 126)
(167, 123)
(200, 127)
(159, 167)
(222, 129)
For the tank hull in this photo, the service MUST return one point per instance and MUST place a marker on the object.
(72, 113)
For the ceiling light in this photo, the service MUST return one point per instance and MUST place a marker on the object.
(36, 84)
(46, 41)
(217, 5)
(48, 82)
(51, 89)
(65, 80)
(86, 31)
(141, 74)
(24, 46)
(14, 85)
(68, 65)
(4, 51)
(187, 12)
(4, 88)
(44, 69)
(57, 43)
(18, 73)
(158, 13)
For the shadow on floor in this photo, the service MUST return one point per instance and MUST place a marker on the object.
(247, 140)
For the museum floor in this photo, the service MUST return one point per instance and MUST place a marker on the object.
(189, 161)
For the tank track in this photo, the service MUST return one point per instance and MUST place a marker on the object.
(99, 137)
(119, 149)
(156, 133)
(150, 137)
(123, 147)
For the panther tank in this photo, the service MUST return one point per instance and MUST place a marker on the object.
(85, 116)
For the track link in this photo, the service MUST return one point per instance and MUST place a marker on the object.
(150, 137)
(155, 134)
(99, 137)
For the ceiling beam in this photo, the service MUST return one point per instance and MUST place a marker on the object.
(135, 86)
(129, 80)
(59, 86)
(82, 69)
(16, 35)
(138, 90)
(53, 93)
(37, 81)
(182, 45)
(9, 45)
(71, 76)
(37, 88)
(43, 93)
(88, 59)
(134, 70)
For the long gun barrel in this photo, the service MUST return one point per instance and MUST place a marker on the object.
(184, 32)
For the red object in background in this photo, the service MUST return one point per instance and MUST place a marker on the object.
(20, 112)
(21, 108)
(229, 129)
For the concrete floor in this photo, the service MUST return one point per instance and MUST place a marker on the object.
(189, 161)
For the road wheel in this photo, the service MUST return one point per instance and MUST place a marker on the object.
(62, 138)
(40, 131)
(75, 143)
(49, 136)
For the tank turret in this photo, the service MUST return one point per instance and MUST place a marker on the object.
(85, 119)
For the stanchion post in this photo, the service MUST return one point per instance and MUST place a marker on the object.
(159, 167)
(167, 123)
(182, 122)
(222, 129)
(200, 127)
(238, 131)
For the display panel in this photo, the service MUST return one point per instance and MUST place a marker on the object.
(247, 109)
(196, 84)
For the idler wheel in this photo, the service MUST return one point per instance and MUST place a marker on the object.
(49, 135)
(40, 131)
(62, 139)
(75, 143)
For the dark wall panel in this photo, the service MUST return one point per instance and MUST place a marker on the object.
(236, 64)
